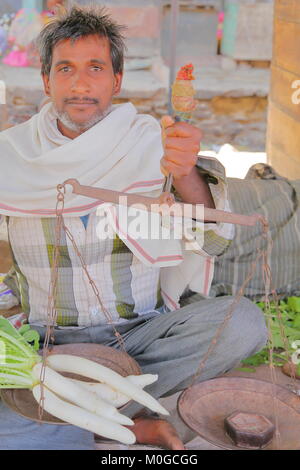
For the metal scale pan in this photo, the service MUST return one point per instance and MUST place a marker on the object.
(204, 407)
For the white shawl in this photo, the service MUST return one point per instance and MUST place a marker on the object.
(122, 152)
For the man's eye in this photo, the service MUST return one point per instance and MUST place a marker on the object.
(64, 69)
(96, 67)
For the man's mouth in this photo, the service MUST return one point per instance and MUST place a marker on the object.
(77, 103)
(81, 103)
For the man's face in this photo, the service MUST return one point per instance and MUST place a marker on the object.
(82, 83)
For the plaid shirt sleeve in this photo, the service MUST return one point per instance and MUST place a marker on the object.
(217, 236)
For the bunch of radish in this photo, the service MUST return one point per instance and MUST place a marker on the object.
(89, 405)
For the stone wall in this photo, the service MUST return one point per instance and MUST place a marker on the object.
(238, 121)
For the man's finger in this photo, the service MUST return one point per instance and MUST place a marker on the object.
(182, 129)
(181, 144)
(176, 157)
(166, 121)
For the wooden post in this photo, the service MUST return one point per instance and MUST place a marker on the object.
(283, 140)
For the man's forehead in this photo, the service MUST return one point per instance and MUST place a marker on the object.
(89, 47)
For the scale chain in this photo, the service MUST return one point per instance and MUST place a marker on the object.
(51, 308)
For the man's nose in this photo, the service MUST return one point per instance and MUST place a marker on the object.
(80, 83)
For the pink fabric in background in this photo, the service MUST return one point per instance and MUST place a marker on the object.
(220, 25)
(16, 59)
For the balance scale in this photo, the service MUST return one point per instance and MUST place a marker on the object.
(229, 412)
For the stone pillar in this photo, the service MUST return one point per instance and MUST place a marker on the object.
(283, 141)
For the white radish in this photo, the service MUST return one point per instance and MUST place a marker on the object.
(70, 391)
(108, 394)
(142, 380)
(83, 419)
(86, 368)
(111, 395)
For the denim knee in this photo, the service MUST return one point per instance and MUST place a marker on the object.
(247, 328)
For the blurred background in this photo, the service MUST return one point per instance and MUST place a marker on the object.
(231, 44)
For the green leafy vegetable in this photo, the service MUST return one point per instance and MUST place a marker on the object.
(290, 313)
(294, 304)
(296, 322)
(31, 336)
(245, 369)
(17, 356)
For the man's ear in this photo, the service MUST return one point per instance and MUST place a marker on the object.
(46, 82)
(118, 83)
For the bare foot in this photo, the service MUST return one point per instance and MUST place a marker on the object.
(156, 432)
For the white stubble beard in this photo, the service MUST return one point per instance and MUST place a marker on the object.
(65, 119)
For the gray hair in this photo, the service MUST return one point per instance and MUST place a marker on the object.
(77, 22)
